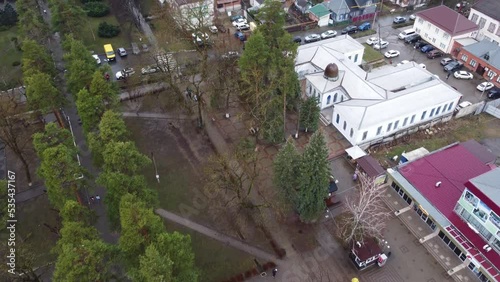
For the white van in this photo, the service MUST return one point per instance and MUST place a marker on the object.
(406, 33)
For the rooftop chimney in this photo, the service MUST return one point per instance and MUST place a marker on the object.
(438, 184)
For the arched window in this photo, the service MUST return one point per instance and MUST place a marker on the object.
(338, 119)
(335, 97)
(352, 132)
(310, 88)
(345, 124)
(342, 98)
(328, 99)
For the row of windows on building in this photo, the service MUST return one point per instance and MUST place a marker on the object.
(473, 64)
(392, 126)
(482, 22)
(441, 45)
(315, 93)
(457, 250)
(483, 231)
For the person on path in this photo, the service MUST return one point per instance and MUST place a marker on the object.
(91, 199)
(275, 271)
(448, 75)
(97, 198)
(355, 177)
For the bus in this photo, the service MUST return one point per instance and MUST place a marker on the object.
(110, 53)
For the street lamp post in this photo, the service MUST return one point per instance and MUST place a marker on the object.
(156, 169)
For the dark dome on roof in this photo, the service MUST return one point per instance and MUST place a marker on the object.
(331, 72)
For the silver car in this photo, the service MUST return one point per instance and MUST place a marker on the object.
(312, 38)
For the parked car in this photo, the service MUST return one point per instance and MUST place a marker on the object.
(350, 29)
(462, 105)
(494, 93)
(398, 20)
(446, 61)
(484, 86)
(240, 35)
(201, 38)
(242, 26)
(297, 39)
(312, 38)
(453, 66)
(150, 69)
(381, 45)
(463, 75)
(221, 28)
(328, 34)
(213, 29)
(240, 21)
(434, 54)
(124, 73)
(391, 54)
(122, 52)
(97, 59)
(237, 17)
(372, 40)
(364, 26)
(403, 62)
(426, 48)
(421, 43)
(413, 17)
(412, 38)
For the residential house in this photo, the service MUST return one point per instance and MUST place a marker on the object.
(456, 192)
(406, 3)
(194, 14)
(352, 10)
(228, 5)
(368, 107)
(482, 58)
(486, 14)
(442, 26)
(320, 14)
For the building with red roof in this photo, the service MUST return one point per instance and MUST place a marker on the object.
(456, 191)
(442, 26)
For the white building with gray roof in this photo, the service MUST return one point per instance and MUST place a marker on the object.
(367, 107)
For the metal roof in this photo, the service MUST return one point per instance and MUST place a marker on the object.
(485, 50)
(319, 10)
(489, 184)
(488, 7)
(438, 217)
(448, 20)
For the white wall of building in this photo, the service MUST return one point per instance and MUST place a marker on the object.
(323, 21)
(326, 99)
(390, 127)
(489, 28)
(436, 36)
(190, 13)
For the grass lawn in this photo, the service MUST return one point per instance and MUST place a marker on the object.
(96, 43)
(456, 130)
(371, 55)
(215, 260)
(9, 75)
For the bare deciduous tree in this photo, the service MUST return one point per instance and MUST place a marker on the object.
(365, 213)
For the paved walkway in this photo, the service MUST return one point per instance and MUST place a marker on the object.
(151, 115)
(142, 91)
(230, 241)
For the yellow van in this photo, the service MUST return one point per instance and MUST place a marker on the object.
(110, 53)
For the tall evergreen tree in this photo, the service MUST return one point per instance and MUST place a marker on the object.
(313, 179)
(309, 114)
(8, 16)
(286, 170)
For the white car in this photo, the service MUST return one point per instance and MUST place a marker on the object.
(122, 52)
(381, 45)
(97, 59)
(372, 40)
(391, 54)
(312, 38)
(240, 21)
(463, 75)
(124, 73)
(213, 29)
(328, 34)
(412, 17)
(231, 55)
(485, 86)
(243, 26)
(403, 62)
(463, 105)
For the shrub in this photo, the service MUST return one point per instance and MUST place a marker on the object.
(16, 63)
(107, 30)
(96, 9)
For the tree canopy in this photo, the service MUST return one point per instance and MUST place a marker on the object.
(309, 114)
(286, 170)
(42, 94)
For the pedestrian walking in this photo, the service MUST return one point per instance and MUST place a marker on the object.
(97, 198)
(355, 177)
(45, 11)
(448, 75)
(91, 199)
(275, 271)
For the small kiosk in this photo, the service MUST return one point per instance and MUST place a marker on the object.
(365, 253)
